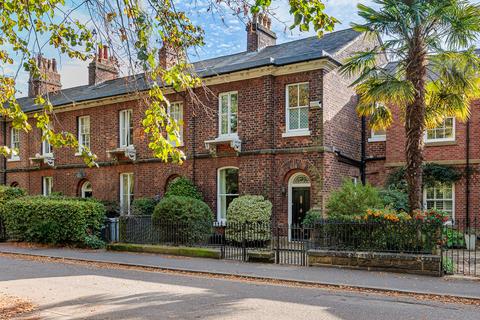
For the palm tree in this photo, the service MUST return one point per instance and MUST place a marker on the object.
(430, 80)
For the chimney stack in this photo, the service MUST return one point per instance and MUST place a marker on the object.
(170, 56)
(49, 79)
(259, 33)
(102, 68)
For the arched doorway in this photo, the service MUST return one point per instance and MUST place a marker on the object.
(86, 190)
(298, 198)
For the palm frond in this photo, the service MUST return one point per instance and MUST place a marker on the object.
(456, 84)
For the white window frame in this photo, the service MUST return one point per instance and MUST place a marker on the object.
(301, 131)
(219, 195)
(229, 114)
(125, 132)
(453, 200)
(130, 186)
(450, 139)
(178, 117)
(47, 186)
(46, 146)
(84, 188)
(82, 136)
(377, 137)
(15, 143)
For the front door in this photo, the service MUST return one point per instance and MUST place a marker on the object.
(300, 204)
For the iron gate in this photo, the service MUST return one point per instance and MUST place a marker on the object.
(461, 248)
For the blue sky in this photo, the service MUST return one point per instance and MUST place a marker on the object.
(224, 34)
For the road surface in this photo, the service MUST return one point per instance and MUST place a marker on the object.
(73, 291)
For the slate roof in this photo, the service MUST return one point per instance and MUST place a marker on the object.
(302, 50)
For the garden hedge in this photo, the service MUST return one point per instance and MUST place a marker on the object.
(9, 193)
(52, 220)
(144, 206)
(183, 219)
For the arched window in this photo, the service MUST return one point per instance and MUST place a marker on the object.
(227, 190)
(87, 191)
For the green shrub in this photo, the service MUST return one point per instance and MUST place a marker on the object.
(447, 265)
(312, 217)
(112, 208)
(183, 218)
(453, 238)
(144, 206)
(395, 199)
(93, 242)
(248, 217)
(9, 193)
(183, 187)
(353, 200)
(52, 220)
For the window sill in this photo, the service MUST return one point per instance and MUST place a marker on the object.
(13, 160)
(434, 143)
(377, 139)
(290, 134)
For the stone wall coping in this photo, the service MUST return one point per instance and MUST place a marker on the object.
(372, 255)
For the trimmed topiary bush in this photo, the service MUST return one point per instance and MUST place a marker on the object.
(144, 206)
(183, 219)
(52, 220)
(353, 200)
(183, 187)
(248, 217)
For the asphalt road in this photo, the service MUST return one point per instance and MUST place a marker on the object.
(66, 291)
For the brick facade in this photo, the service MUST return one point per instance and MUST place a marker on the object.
(389, 155)
(267, 159)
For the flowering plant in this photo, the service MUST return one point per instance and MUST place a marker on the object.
(431, 216)
(387, 214)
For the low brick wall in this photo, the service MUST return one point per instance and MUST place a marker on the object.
(396, 262)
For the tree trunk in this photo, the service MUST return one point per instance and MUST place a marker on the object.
(416, 73)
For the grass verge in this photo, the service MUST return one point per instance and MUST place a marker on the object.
(174, 251)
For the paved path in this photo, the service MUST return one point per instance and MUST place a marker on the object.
(68, 291)
(360, 278)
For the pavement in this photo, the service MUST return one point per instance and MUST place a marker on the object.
(78, 291)
(327, 276)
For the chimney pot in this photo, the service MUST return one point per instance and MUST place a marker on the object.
(102, 68)
(49, 79)
(259, 34)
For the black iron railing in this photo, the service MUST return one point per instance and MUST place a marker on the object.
(461, 247)
(396, 237)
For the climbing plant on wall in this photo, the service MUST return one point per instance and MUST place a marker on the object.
(432, 173)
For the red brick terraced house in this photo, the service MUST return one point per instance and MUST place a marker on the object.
(277, 120)
(454, 144)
